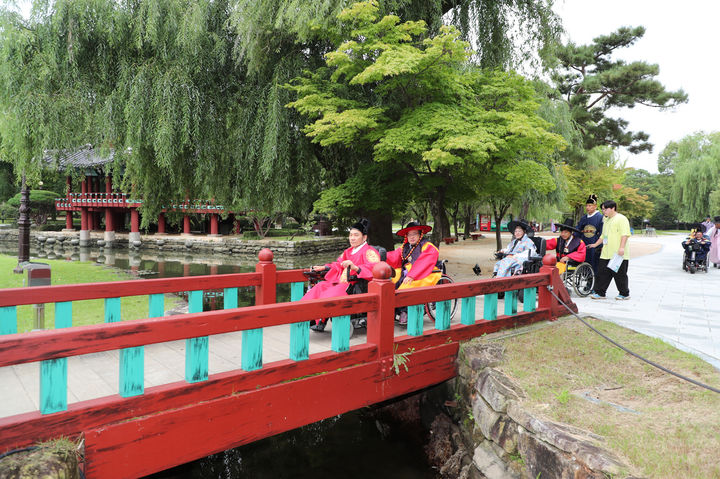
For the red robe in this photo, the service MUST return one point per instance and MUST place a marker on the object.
(335, 282)
(419, 267)
(577, 255)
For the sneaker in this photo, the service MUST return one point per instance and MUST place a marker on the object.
(403, 318)
(319, 326)
(596, 296)
(620, 297)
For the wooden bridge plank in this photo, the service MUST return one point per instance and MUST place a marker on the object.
(54, 372)
(510, 301)
(299, 332)
(341, 333)
(415, 319)
(467, 310)
(529, 299)
(140, 447)
(442, 315)
(490, 302)
(196, 349)
(8, 320)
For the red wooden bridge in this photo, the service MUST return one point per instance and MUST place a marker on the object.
(142, 430)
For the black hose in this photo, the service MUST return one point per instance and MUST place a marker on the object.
(663, 368)
(15, 451)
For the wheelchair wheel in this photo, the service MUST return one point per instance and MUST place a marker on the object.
(430, 307)
(583, 280)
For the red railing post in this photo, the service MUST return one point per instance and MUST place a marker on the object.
(381, 323)
(546, 299)
(265, 293)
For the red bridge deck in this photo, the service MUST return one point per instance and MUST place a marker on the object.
(144, 430)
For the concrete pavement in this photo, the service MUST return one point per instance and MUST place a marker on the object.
(665, 301)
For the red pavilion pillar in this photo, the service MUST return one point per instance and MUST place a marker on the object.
(214, 225)
(161, 224)
(186, 224)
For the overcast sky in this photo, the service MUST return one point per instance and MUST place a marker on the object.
(682, 38)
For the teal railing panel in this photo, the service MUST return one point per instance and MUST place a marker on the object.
(156, 306)
(299, 332)
(415, 319)
(467, 316)
(442, 315)
(112, 310)
(132, 371)
(53, 372)
(230, 298)
(490, 304)
(340, 333)
(252, 349)
(529, 298)
(510, 303)
(8, 320)
(197, 350)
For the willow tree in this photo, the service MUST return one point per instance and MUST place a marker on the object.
(156, 81)
(417, 103)
(695, 163)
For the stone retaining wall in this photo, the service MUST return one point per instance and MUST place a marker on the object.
(495, 437)
(231, 245)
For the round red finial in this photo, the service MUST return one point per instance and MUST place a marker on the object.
(265, 255)
(382, 270)
(549, 260)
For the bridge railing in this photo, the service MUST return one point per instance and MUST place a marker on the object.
(53, 347)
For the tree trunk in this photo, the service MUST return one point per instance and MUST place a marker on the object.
(442, 224)
(524, 210)
(381, 233)
(499, 214)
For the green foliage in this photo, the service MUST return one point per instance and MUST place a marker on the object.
(8, 212)
(42, 204)
(401, 360)
(695, 164)
(419, 104)
(591, 83)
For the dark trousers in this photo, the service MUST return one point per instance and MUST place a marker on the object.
(605, 275)
(592, 255)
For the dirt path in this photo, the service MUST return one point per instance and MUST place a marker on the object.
(462, 256)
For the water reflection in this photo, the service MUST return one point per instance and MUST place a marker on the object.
(146, 264)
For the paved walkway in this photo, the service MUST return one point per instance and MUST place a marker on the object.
(665, 301)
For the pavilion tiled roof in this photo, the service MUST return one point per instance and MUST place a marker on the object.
(84, 157)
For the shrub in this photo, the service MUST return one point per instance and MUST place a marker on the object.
(42, 204)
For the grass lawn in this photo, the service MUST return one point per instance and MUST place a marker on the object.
(84, 312)
(675, 430)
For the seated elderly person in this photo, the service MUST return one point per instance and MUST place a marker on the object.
(357, 261)
(414, 261)
(519, 249)
(569, 248)
(697, 237)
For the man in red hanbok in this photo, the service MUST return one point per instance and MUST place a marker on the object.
(357, 261)
(569, 247)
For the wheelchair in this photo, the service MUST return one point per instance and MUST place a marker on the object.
(444, 279)
(690, 263)
(358, 286)
(580, 277)
(529, 266)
